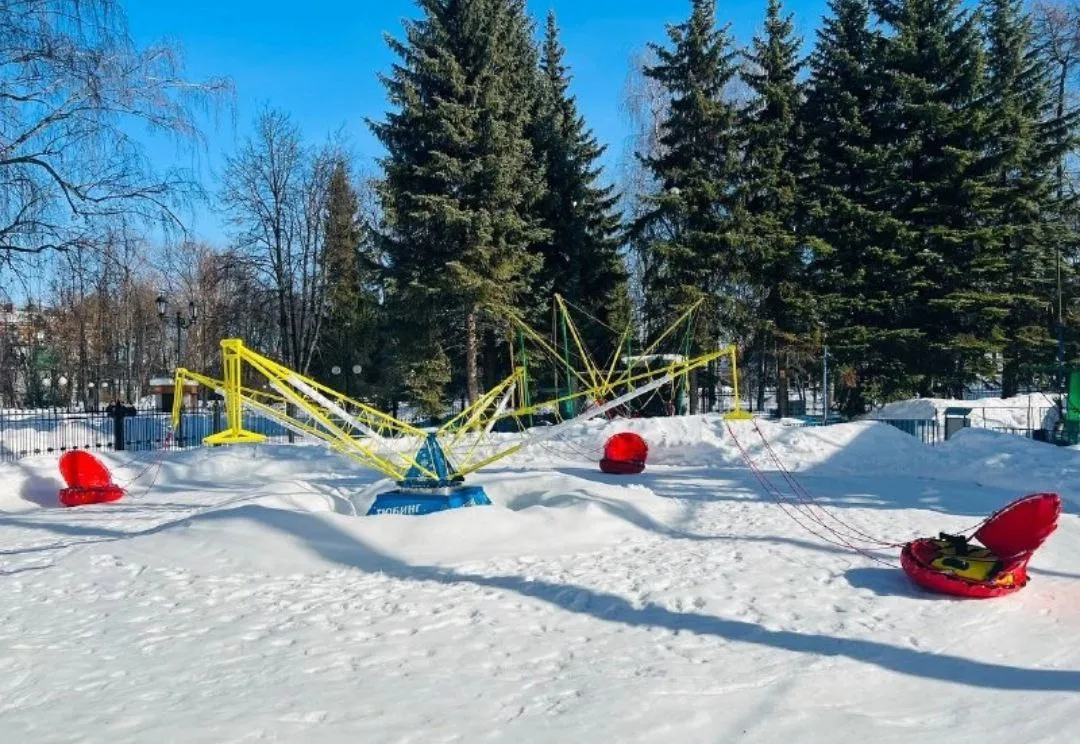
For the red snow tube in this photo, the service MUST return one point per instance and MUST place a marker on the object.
(624, 454)
(88, 480)
(951, 565)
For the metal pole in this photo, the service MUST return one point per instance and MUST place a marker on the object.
(735, 378)
(525, 398)
(825, 385)
(569, 403)
(179, 391)
(1060, 313)
(686, 377)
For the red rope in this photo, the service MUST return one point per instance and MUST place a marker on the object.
(154, 464)
(808, 500)
(803, 493)
(781, 499)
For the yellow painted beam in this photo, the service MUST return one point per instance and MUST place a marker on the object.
(738, 414)
(375, 439)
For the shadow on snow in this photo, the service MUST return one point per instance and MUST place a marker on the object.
(336, 545)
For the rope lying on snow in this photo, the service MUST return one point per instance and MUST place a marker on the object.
(154, 465)
(799, 488)
(806, 505)
(784, 503)
(804, 497)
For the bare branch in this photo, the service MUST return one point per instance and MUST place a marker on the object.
(275, 196)
(72, 85)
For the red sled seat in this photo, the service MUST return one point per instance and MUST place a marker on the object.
(950, 564)
(624, 454)
(88, 480)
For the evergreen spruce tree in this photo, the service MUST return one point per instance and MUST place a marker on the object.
(460, 183)
(689, 232)
(935, 184)
(771, 159)
(861, 283)
(351, 307)
(1027, 139)
(581, 254)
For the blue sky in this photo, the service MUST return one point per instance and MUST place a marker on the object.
(319, 60)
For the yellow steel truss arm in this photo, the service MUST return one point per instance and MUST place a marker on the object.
(365, 434)
(385, 444)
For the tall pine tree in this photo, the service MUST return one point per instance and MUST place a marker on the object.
(1027, 139)
(770, 162)
(690, 229)
(860, 282)
(936, 129)
(347, 335)
(460, 182)
(581, 256)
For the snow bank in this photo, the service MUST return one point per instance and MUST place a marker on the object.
(706, 441)
(272, 481)
(867, 448)
(1005, 461)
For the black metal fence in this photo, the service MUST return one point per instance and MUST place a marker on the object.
(927, 431)
(36, 432)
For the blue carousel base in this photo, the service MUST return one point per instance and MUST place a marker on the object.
(428, 501)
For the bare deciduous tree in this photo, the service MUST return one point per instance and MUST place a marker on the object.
(645, 104)
(275, 193)
(73, 87)
(103, 334)
(231, 301)
(1057, 27)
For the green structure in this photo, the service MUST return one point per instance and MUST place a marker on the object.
(1065, 382)
(1069, 433)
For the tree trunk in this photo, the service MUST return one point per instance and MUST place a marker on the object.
(761, 376)
(283, 325)
(711, 399)
(472, 349)
(1063, 79)
(493, 372)
(781, 393)
(1010, 378)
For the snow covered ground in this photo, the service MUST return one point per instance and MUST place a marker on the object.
(239, 599)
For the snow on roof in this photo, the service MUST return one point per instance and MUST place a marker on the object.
(1034, 411)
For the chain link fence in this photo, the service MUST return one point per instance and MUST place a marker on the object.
(1031, 422)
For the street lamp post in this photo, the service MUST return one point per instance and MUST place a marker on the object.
(182, 323)
(35, 373)
(356, 370)
(825, 385)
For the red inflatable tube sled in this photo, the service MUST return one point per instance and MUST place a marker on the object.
(88, 480)
(624, 454)
(950, 564)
